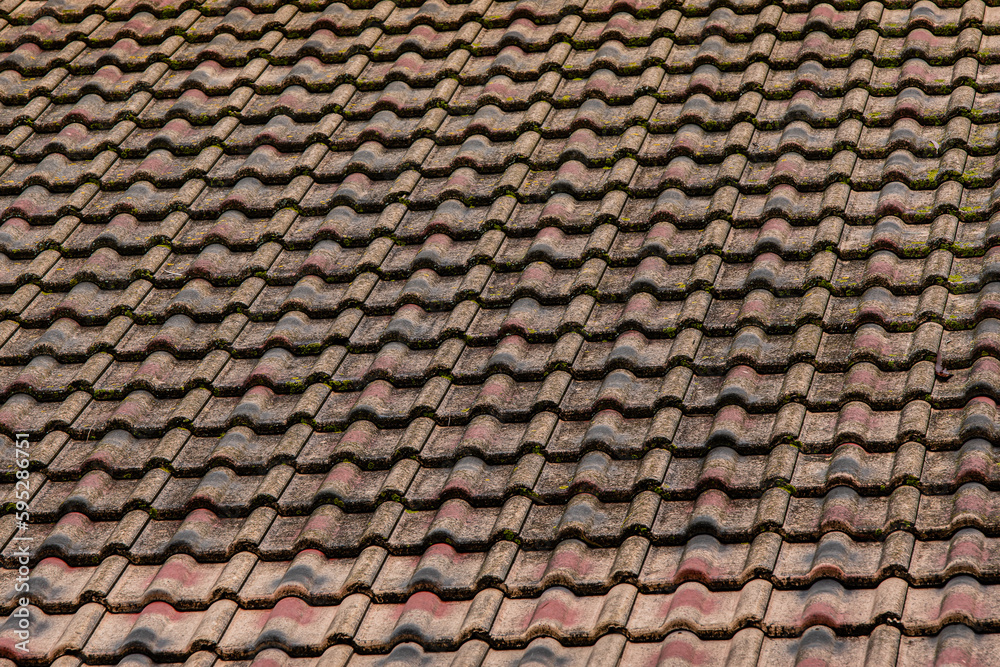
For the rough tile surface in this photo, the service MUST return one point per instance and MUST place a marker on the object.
(500, 332)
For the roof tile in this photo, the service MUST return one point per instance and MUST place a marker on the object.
(586, 332)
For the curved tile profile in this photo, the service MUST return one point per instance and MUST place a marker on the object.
(489, 333)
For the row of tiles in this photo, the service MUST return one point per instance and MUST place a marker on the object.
(552, 166)
(906, 146)
(347, 486)
(61, 161)
(551, 101)
(428, 309)
(573, 374)
(452, 239)
(455, 239)
(748, 648)
(494, 270)
(209, 537)
(499, 395)
(37, 205)
(472, 52)
(286, 35)
(878, 95)
(763, 330)
(676, 130)
(176, 357)
(810, 567)
(500, 27)
(869, 355)
(563, 81)
(485, 437)
(563, 231)
(437, 12)
(843, 294)
(295, 626)
(337, 248)
(500, 108)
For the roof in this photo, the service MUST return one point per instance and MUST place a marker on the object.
(563, 333)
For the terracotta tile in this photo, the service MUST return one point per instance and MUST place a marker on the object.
(364, 443)
(967, 551)
(693, 605)
(59, 587)
(575, 566)
(180, 581)
(962, 600)
(842, 509)
(159, 630)
(821, 644)
(311, 576)
(715, 512)
(837, 556)
(954, 642)
(427, 619)
(704, 559)
(330, 530)
(454, 521)
(441, 570)
(684, 646)
(494, 333)
(79, 541)
(346, 485)
(202, 535)
(942, 515)
(221, 490)
(58, 634)
(472, 479)
(606, 651)
(828, 603)
(292, 624)
(97, 495)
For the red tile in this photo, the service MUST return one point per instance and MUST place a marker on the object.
(159, 630)
(293, 625)
(692, 606)
(427, 619)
